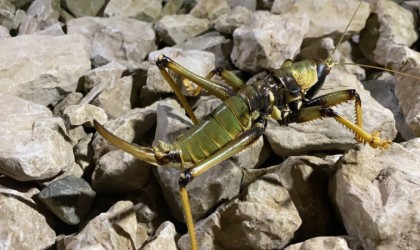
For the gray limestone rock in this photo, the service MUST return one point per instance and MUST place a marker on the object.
(121, 39)
(34, 144)
(23, 221)
(46, 68)
(70, 198)
(377, 195)
(40, 15)
(142, 10)
(174, 29)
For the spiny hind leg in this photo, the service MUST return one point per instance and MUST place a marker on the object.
(336, 98)
(228, 76)
(219, 90)
(236, 145)
(313, 113)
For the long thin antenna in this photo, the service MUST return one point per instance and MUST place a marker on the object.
(328, 61)
(389, 70)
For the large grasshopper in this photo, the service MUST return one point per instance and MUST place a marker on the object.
(285, 95)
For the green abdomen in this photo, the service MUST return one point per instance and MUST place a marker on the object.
(212, 133)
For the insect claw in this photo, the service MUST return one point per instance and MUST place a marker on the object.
(376, 141)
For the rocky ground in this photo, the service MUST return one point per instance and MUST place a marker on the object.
(302, 186)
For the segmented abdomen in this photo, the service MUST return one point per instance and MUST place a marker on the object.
(212, 133)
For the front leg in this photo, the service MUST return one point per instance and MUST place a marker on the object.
(316, 112)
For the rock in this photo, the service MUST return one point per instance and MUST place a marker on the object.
(34, 144)
(69, 198)
(52, 30)
(396, 26)
(165, 238)
(198, 62)
(221, 181)
(103, 75)
(115, 229)
(40, 15)
(19, 18)
(236, 17)
(382, 89)
(83, 152)
(80, 8)
(377, 195)
(76, 115)
(115, 99)
(327, 243)
(98, 79)
(121, 39)
(172, 7)
(412, 145)
(143, 10)
(327, 18)
(407, 89)
(214, 43)
(76, 134)
(71, 99)
(306, 180)
(327, 134)
(263, 217)
(4, 33)
(174, 29)
(249, 4)
(119, 172)
(152, 210)
(23, 222)
(38, 73)
(260, 44)
(7, 14)
(210, 9)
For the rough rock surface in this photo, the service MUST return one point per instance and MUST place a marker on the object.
(236, 17)
(210, 9)
(23, 222)
(407, 89)
(81, 8)
(396, 25)
(263, 217)
(327, 243)
(143, 10)
(326, 16)
(260, 44)
(70, 198)
(120, 172)
(37, 73)
(35, 21)
(34, 144)
(165, 238)
(124, 40)
(174, 29)
(115, 229)
(377, 195)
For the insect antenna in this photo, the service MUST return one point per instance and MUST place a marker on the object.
(329, 60)
(381, 68)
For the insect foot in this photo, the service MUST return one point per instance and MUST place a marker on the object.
(376, 142)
